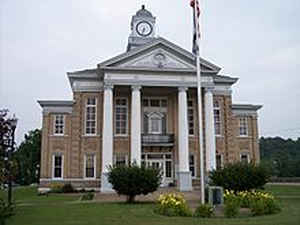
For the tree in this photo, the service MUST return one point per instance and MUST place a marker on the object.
(133, 180)
(282, 155)
(28, 157)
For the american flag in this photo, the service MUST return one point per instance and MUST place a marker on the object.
(196, 29)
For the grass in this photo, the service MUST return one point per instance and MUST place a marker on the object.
(67, 210)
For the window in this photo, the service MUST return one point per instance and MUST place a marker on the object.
(155, 102)
(57, 166)
(192, 165)
(191, 117)
(219, 161)
(155, 123)
(59, 123)
(90, 126)
(168, 166)
(90, 162)
(243, 126)
(217, 118)
(121, 116)
(120, 159)
(245, 158)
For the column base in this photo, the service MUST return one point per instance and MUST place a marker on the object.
(185, 181)
(106, 187)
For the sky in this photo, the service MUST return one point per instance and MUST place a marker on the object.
(256, 41)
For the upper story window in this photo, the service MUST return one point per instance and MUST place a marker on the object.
(155, 123)
(59, 124)
(217, 118)
(57, 166)
(155, 102)
(191, 117)
(121, 112)
(90, 166)
(90, 116)
(243, 126)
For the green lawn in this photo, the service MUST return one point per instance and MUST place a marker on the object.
(63, 210)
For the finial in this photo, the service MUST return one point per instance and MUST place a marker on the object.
(143, 7)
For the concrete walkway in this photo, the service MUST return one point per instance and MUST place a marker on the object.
(192, 197)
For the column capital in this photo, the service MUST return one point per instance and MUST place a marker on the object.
(209, 89)
(136, 87)
(182, 89)
(108, 86)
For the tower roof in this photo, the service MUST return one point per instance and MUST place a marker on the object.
(144, 12)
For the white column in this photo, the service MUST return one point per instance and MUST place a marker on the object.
(136, 125)
(107, 137)
(210, 140)
(184, 174)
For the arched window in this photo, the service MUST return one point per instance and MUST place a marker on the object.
(155, 123)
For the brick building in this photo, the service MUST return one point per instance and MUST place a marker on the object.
(141, 106)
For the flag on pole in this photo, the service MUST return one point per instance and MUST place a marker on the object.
(196, 31)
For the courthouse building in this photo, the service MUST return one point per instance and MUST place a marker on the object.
(141, 106)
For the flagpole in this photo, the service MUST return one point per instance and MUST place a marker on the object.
(202, 190)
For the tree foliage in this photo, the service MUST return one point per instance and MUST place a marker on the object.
(133, 180)
(282, 156)
(240, 176)
(28, 157)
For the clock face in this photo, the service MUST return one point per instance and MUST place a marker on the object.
(144, 28)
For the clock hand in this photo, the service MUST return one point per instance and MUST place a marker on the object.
(143, 30)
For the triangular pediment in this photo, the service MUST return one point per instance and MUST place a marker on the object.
(159, 55)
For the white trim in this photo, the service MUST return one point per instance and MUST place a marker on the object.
(84, 167)
(115, 119)
(53, 166)
(96, 116)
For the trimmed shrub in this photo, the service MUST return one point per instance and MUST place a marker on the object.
(264, 206)
(232, 207)
(133, 180)
(173, 204)
(87, 197)
(204, 211)
(240, 176)
(6, 211)
(56, 188)
(68, 188)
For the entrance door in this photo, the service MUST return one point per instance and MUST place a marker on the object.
(158, 164)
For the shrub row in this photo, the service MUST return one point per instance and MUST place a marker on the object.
(173, 204)
(65, 188)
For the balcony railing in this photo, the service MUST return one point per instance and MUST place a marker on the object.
(157, 139)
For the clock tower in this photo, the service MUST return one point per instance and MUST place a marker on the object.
(142, 28)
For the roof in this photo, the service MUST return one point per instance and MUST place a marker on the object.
(55, 103)
(144, 12)
(246, 107)
(156, 42)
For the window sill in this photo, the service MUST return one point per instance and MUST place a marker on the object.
(90, 135)
(89, 178)
(57, 178)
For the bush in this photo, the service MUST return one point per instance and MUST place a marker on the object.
(204, 211)
(232, 207)
(6, 211)
(259, 202)
(172, 204)
(56, 188)
(87, 197)
(134, 180)
(264, 206)
(68, 188)
(240, 176)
